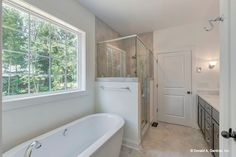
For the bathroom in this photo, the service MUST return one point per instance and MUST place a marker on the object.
(118, 78)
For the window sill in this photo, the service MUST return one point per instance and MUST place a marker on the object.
(40, 99)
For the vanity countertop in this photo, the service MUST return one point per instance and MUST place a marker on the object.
(211, 99)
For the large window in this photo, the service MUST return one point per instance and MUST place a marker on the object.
(39, 54)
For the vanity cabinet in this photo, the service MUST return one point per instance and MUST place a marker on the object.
(201, 118)
(208, 121)
(216, 138)
(215, 116)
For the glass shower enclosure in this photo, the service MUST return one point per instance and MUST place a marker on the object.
(128, 57)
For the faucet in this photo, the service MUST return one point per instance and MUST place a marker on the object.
(35, 144)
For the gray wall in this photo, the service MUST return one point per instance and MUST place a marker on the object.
(44, 114)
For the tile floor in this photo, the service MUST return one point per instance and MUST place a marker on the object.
(168, 140)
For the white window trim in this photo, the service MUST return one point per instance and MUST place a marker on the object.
(22, 102)
(58, 95)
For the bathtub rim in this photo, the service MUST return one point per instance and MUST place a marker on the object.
(92, 148)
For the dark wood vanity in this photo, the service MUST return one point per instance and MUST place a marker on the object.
(208, 121)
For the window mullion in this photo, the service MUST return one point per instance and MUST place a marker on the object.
(66, 62)
(79, 62)
(50, 58)
(29, 53)
(9, 78)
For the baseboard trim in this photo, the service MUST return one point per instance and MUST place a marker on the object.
(145, 129)
(131, 144)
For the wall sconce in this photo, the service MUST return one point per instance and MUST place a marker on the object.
(212, 64)
(199, 69)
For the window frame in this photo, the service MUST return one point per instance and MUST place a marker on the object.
(81, 52)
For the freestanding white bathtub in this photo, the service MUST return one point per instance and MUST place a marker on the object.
(98, 135)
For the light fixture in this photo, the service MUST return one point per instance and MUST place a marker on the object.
(212, 64)
(199, 69)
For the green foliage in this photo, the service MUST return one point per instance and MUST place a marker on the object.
(38, 56)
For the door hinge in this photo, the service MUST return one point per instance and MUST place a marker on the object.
(157, 85)
(157, 109)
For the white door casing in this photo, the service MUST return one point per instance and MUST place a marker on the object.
(174, 81)
(233, 75)
(228, 76)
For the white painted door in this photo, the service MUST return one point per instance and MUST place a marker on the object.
(174, 82)
(228, 76)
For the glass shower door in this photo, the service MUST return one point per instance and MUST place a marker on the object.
(143, 75)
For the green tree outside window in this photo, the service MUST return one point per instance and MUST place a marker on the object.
(38, 55)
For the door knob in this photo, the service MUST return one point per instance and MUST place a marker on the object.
(225, 134)
(189, 92)
(229, 134)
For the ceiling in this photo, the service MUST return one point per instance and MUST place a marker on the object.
(138, 16)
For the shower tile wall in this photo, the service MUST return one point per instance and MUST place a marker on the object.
(111, 60)
(147, 38)
(103, 32)
(128, 45)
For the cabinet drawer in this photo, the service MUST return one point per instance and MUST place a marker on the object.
(208, 118)
(208, 108)
(202, 120)
(215, 138)
(208, 129)
(199, 116)
(209, 140)
(215, 115)
(201, 101)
